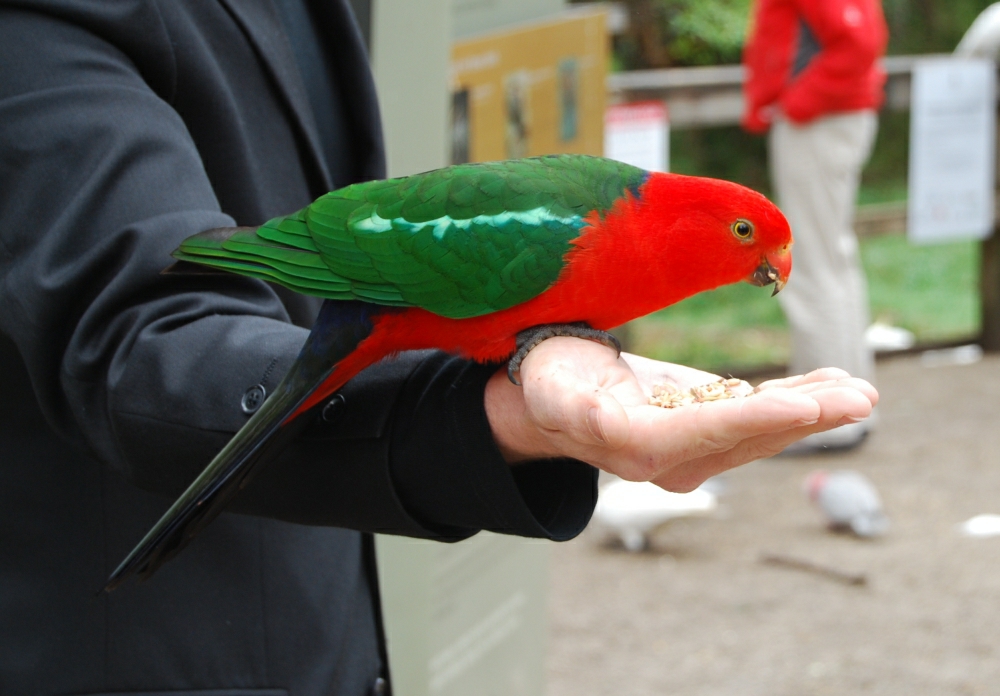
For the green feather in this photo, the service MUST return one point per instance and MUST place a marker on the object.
(462, 241)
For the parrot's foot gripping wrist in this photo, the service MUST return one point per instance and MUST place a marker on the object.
(529, 338)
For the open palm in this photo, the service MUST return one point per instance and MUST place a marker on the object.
(579, 400)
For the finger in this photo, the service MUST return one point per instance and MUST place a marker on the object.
(838, 406)
(661, 439)
(842, 402)
(717, 425)
(687, 476)
(654, 372)
(823, 374)
(859, 385)
(609, 422)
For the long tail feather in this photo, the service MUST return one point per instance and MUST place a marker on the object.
(340, 327)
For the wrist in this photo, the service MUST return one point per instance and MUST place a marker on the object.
(517, 438)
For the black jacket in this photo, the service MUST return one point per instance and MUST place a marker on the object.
(125, 126)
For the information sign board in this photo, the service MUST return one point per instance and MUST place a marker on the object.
(638, 133)
(952, 150)
(534, 89)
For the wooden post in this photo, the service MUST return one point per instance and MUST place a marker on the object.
(989, 278)
(989, 291)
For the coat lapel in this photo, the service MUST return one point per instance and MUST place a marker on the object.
(262, 25)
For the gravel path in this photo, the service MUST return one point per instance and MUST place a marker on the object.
(701, 614)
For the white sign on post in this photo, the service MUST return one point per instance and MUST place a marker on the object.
(638, 134)
(952, 150)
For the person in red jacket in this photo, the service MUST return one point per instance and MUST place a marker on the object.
(814, 80)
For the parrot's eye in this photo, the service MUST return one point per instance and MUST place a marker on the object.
(742, 229)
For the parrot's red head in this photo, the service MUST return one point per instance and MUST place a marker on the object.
(728, 232)
(675, 237)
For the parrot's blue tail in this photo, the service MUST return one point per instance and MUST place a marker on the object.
(339, 328)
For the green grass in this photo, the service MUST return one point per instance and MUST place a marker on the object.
(734, 326)
(930, 290)
(890, 191)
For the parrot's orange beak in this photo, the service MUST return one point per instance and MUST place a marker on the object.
(773, 268)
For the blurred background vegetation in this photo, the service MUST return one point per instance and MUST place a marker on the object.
(932, 291)
(676, 33)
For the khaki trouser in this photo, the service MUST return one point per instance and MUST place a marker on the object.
(816, 169)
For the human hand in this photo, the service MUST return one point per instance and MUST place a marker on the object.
(580, 401)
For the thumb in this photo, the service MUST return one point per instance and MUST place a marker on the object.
(604, 420)
(578, 412)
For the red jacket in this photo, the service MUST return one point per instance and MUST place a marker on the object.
(847, 36)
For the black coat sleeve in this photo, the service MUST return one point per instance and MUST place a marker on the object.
(100, 179)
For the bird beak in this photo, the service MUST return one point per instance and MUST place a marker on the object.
(773, 269)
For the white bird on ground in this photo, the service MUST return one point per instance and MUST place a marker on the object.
(848, 500)
(631, 510)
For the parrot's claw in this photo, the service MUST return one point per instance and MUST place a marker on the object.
(529, 338)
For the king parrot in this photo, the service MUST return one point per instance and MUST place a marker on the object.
(479, 260)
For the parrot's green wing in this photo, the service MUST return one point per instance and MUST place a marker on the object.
(460, 242)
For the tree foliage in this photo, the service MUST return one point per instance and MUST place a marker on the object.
(929, 26)
(673, 33)
(665, 33)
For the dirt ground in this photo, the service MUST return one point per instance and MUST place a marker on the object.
(701, 614)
